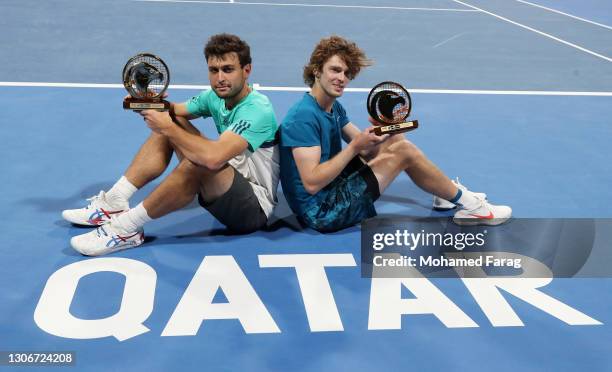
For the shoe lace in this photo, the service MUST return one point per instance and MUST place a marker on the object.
(107, 229)
(479, 197)
(93, 201)
(457, 183)
(103, 232)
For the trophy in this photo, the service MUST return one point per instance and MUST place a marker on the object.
(146, 78)
(389, 105)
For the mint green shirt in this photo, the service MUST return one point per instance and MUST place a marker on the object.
(252, 118)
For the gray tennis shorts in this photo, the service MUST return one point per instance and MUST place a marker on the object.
(238, 209)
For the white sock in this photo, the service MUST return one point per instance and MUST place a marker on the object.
(133, 219)
(121, 192)
(468, 200)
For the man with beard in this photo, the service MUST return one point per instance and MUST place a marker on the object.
(234, 177)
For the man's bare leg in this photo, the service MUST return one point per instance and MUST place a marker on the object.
(183, 184)
(154, 156)
(175, 192)
(399, 155)
(150, 162)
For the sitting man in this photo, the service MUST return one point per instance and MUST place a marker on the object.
(234, 177)
(330, 188)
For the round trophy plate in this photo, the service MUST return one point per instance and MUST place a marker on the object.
(146, 77)
(389, 104)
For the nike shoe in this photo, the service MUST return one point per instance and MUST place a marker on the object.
(440, 204)
(98, 212)
(106, 239)
(483, 214)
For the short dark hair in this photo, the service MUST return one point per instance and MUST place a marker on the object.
(221, 44)
(326, 48)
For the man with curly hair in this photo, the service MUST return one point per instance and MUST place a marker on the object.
(329, 187)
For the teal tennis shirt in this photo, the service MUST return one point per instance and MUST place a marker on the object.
(308, 125)
(254, 120)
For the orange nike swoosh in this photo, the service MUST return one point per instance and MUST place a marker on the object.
(489, 217)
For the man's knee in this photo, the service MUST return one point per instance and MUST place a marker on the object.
(199, 172)
(406, 152)
(395, 139)
(188, 167)
(159, 139)
(186, 125)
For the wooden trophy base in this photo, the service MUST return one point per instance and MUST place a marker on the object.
(145, 104)
(396, 128)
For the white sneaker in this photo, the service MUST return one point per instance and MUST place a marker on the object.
(106, 239)
(440, 204)
(483, 214)
(98, 212)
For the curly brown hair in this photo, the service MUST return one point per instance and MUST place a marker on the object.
(350, 53)
(221, 44)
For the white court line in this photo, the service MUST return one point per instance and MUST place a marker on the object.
(56, 85)
(538, 32)
(305, 89)
(308, 5)
(449, 39)
(565, 14)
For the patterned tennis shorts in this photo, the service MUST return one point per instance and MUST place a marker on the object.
(350, 199)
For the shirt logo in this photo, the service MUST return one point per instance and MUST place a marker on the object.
(240, 126)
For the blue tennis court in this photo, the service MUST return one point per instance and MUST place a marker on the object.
(513, 97)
